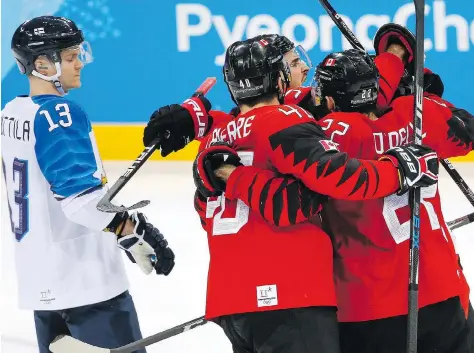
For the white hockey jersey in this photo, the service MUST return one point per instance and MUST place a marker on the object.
(54, 179)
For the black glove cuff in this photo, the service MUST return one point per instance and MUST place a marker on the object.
(317, 111)
(213, 163)
(117, 223)
(185, 125)
(433, 84)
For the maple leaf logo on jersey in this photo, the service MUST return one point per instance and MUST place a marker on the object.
(329, 145)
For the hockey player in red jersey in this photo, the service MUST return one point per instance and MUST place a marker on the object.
(254, 200)
(371, 265)
(370, 237)
(258, 285)
(399, 41)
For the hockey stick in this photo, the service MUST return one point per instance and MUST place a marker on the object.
(466, 190)
(68, 344)
(346, 32)
(461, 221)
(105, 204)
(414, 196)
(352, 39)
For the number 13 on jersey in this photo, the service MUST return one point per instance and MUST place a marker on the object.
(18, 177)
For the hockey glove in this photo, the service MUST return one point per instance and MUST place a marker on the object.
(177, 125)
(392, 33)
(461, 127)
(417, 166)
(303, 98)
(205, 165)
(432, 83)
(235, 111)
(147, 247)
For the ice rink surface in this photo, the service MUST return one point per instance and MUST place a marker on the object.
(163, 302)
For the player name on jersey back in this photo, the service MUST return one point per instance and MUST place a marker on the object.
(387, 140)
(16, 128)
(237, 128)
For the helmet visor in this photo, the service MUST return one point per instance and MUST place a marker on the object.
(83, 51)
(304, 57)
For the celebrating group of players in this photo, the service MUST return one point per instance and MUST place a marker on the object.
(303, 193)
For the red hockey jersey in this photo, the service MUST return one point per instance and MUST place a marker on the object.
(371, 237)
(255, 265)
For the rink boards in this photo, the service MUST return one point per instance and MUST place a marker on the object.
(124, 142)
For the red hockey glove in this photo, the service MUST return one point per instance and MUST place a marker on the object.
(198, 108)
(205, 165)
(392, 33)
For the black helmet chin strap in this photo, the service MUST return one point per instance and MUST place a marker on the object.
(281, 95)
(285, 83)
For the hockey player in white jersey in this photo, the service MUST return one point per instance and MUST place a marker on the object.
(68, 264)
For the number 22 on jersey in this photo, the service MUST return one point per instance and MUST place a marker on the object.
(233, 215)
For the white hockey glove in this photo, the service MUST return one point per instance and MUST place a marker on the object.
(147, 247)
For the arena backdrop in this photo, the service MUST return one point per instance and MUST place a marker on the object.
(153, 52)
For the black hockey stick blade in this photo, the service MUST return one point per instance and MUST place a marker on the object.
(461, 221)
(68, 344)
(105, 204)
(109, 207)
